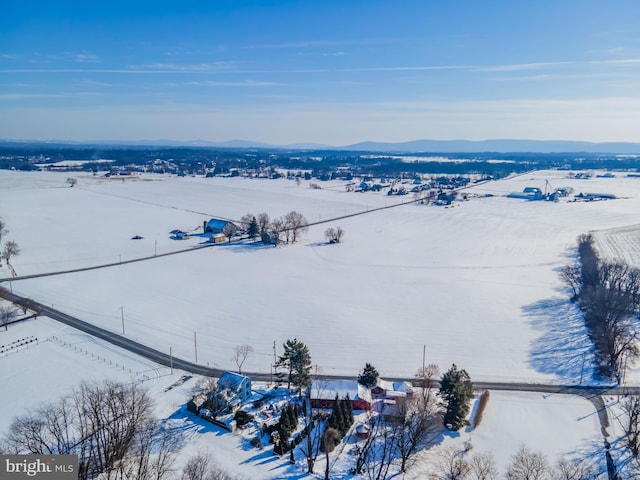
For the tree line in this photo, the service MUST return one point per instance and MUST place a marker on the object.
(286, 228)
(608, 293)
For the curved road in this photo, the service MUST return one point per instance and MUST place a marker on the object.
(165, 359)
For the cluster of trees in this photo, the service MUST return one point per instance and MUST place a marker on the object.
(10, 249)
(608, 293)
(277, 230)
(630, 422)
(109, 426)
(340, 421)
(455, 464)
(334, 235)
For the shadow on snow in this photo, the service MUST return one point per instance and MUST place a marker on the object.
(564, 348)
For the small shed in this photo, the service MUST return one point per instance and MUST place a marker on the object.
(218, 238)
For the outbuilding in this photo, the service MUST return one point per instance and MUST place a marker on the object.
(218, 225)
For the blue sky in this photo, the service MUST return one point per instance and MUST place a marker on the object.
(332, 72)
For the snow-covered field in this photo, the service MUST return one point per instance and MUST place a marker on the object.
(476, 284)
(463, 281)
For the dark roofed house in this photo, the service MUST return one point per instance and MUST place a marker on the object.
(218, 225)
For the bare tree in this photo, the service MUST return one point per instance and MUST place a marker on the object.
(264, 224)
(571, 275)
(196, 467)
(295, 223)
(574, 470)
(450, 465)
(381, 454)
(313, 428)
(419, 428)
(631, 422)
(72, 181)
(11, 249)
(240, 354)
(278, 229)
(363, 449)
(483, 467)
(3, 229)
(527, 465)
(106, 425)
(203, 467)
(7, 314)
(426, 378)
(152, 454)
(334, 235)
(329, 438)
(245, 220)
(229, 230)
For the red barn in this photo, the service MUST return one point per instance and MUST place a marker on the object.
(323, 393)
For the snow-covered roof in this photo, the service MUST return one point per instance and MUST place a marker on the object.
(217, 223)
(397, 387)
(327, 390)
(231, 380)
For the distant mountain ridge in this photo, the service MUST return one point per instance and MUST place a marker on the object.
(414, 146)
(498, 146)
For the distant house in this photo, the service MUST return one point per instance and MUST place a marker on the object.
(217, 225)
(179, 235)
(323, 393)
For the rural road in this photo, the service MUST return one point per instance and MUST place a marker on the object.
(165, 359)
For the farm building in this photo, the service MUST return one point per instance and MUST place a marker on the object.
(323, 393)
(217, 225)
(218, 238)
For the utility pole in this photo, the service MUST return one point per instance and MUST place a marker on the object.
(195, 345)
(274, 353)
(424, 355)
(171, 360)
(122, 317)
(155, 249)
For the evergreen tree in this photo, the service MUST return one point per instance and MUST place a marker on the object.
(369, 376)
(253, 230)
(456, 390)
(336, 420)
(297, 361)
(349, 409)
(344, 413)
(284, 428)
(293, 417)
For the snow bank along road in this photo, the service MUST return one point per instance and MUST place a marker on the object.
(588, 391)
